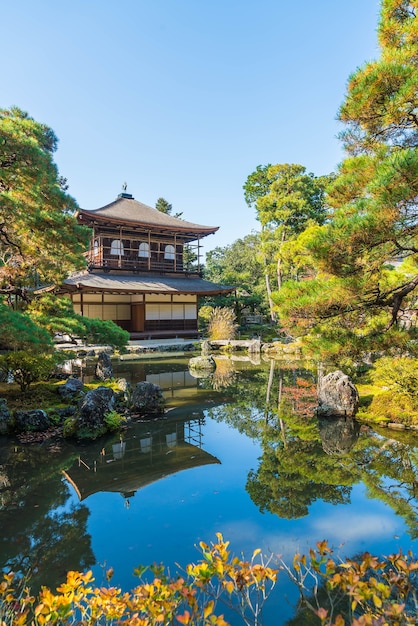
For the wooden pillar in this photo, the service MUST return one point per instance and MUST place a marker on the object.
(175, 252)
(120, 247)
(149, 250)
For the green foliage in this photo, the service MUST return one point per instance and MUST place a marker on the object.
(164, 206)
(114, 420)
(19, 332)
(398, 377)
(69, 429)
(104, 331)
(205, 313)
(389, 407)
(364, 259)
(40, 239)
(397, 374)
(222, 324)
(240, 264)
(56, 315)
(287, 199)
(29, 367)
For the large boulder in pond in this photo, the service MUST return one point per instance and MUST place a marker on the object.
(31, 421)
(92, 409)
(5, 417)
(147, 398)
(337, 396)
(70, 389)
(104, 368)
(202, 363)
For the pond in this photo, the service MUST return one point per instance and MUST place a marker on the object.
(239, 453)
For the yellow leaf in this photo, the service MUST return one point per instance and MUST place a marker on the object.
(257, 551)
(208, 609)
(377, 601)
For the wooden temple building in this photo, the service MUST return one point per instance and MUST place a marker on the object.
(137, 274)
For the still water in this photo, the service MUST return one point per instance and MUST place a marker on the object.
(239, 453)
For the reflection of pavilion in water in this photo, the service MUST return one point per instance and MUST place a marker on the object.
(149, 452)
(176, 383)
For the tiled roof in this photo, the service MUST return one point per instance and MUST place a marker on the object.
(130, 210)
(145, 284)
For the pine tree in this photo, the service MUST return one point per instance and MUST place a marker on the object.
(366, 255)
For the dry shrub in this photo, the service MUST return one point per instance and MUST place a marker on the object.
(222, 324)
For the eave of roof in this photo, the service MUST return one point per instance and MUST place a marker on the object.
(134, 213)
(130, 283)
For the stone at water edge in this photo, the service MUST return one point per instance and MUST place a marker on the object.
(104, 368)
(202, 363)
(70, 389)
(337, 396)
(147, 398)
(5, 416)
(31, 421)
(205, 348)
(93, 407)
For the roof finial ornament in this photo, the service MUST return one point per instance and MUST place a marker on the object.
(124, 186)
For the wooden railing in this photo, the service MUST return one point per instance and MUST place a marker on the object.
(136, 263)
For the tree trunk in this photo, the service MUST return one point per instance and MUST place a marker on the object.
(279, 262)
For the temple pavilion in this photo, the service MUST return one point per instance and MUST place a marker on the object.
(137, 273)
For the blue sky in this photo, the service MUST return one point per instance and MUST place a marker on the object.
(184, 98)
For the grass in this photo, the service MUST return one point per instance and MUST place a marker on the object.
(39, 395)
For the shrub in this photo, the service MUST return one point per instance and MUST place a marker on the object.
(388, 406)
(399, 375)
(29, 367)
(365, 590)
(56, 314)
(222, 324)
(205, 313)
(104, 331)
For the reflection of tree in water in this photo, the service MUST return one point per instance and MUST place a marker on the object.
(224, 375)
(304, 460)
(41, 534)
(295, 470)
(289, 479)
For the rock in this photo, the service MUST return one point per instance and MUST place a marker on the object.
(337, 395)
(147, 398)
(93, 407)
(70, 389)
(205, 348)
(124, 390)
(104, 368)
(338, 435)
(5, 417)
(66, 411)
(206, 363)
(33, 421)
(255, 347)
